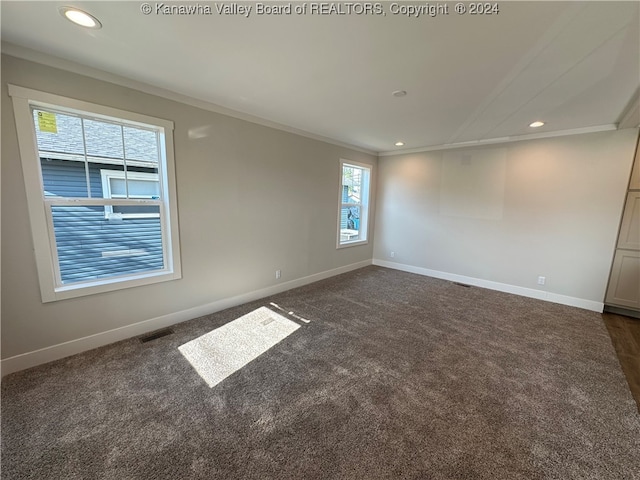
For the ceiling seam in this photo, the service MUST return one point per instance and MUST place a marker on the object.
(574, 66)
(557, 29)
(499, 140)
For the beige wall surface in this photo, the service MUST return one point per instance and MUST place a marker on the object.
(509, 213)
(251, 199)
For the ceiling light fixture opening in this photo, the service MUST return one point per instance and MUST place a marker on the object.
(536, 124)
(80, 18)
(399, 144)
(399, 93)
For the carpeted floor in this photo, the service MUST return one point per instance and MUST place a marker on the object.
(397, 376)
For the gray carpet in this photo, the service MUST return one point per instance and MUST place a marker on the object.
(397, 376)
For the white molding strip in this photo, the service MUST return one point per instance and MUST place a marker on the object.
(501, 287)
(630, 118)
(492, 141)
(62, 64)
(72, 347)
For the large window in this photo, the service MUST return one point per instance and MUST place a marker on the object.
(353, 217)
(101, 194)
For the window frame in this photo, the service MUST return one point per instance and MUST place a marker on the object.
(44, 242)
(364, 205)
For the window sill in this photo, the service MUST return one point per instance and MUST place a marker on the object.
(353, 243)
(107, 285)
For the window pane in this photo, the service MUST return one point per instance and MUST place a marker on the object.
(352, 184)
(141, 144)
(143, 188)
(68, 178)
(61, 151)
(118, 189)
(349, 224)
(103, 139)
(63, 134)
(143, 183)
(91, 247)
(136, 210)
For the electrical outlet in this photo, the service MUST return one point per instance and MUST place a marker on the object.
(541, 280)
(393, 254)
(278, 274)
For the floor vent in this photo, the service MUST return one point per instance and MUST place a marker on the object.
(155, 335)
(462, 284)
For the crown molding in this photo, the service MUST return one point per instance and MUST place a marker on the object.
(74, 67)
(628, 118)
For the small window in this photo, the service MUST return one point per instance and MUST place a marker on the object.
(353, 216)
(121, 184)
(101, 194)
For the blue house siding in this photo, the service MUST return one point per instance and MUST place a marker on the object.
(92, 247)
(89, 245)
(67, 178)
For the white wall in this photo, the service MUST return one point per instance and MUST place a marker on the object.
(509, 213)
(251, 199)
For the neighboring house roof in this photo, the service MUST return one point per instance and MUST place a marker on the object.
(104, 140)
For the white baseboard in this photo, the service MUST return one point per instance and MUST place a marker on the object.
(501, 287)
(72, 347)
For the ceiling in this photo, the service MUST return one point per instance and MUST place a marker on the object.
(468, 77)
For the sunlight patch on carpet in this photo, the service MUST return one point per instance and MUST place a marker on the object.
(225, 350)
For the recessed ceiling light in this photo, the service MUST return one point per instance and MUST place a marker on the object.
(399, 93)
(399, 144)
(79, 17)
(536, 124)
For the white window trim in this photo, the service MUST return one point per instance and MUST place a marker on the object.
(107, 175)
(365, 207)
(42, 224)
